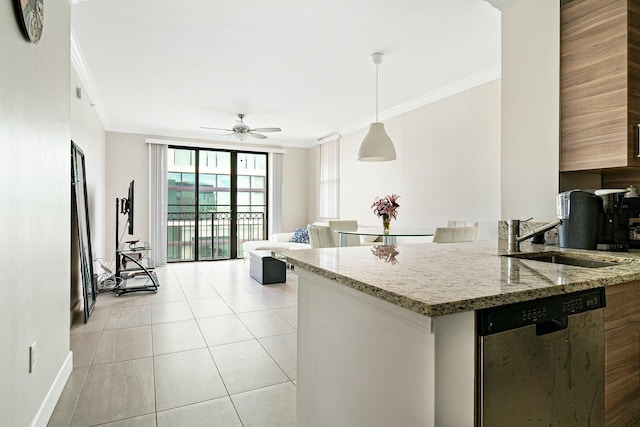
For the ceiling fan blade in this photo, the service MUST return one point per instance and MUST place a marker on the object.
(257, 135)
(226, 130)
(232, 133)
(267, 130)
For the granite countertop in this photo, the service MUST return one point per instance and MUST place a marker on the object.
(438, 279)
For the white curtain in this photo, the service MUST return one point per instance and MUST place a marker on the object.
(276, 192)
(158, 203)
(330, 179)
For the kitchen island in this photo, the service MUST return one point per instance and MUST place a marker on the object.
(387, 335)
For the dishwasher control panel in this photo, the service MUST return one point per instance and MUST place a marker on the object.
(550, 309)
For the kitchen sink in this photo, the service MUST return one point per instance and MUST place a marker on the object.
(565, 259)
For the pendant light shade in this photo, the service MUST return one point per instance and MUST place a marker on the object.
(377, 146)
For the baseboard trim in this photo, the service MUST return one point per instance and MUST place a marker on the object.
(51, 399)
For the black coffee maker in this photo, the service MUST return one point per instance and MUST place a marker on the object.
(593, 220)
(580, 214)
(614, 222)
(631, 207)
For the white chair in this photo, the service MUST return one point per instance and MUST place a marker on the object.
(451, 223)
(456, 231)
(345, 225)
(321, 236)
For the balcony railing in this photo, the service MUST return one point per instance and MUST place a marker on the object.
(213, 233)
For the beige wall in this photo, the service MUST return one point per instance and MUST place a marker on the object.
(530, 109)
(295, 191)
(448, 165)
(313, 184)
(36, 213)
(128, 159)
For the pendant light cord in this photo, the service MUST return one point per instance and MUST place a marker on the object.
(377, 65)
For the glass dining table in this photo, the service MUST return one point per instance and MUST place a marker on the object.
(388, 238)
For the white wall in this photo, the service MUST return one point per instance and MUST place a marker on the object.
(530, 109)
(448, 165)
(88, 133)
(128, 158)
(35, 212)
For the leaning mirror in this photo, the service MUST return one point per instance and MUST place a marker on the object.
(79, 184)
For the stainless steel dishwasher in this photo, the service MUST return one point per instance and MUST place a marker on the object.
(541, 362)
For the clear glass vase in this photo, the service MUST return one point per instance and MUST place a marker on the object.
(386, 224)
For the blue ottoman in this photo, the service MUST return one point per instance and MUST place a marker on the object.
(266, 269)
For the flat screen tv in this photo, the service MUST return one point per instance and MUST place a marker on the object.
(130, 207)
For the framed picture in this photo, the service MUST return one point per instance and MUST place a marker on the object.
(79, 184)
(31, 16)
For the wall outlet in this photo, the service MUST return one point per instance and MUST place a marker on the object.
(32, 357)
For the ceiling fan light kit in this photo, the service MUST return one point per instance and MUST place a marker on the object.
(377, 146)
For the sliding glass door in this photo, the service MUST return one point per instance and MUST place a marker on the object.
(217, 199)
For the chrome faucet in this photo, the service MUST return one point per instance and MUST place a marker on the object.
(514, 238)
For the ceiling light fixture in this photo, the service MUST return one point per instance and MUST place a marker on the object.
(376, 146)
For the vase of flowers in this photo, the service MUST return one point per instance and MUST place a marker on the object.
(386, 208)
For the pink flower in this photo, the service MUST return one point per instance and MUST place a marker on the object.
(386, 206)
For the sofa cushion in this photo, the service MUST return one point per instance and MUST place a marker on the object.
(301, 235)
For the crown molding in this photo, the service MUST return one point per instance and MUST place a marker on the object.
(78, 62)
(501, 4)
(331, 137)
(216, 145)
(429, 98)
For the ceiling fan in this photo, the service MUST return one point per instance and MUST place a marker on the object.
(242, 131)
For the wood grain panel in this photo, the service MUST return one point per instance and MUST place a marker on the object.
(594, 85)
(622, 375)
(634, 81)
(621, 178)
(623, 305)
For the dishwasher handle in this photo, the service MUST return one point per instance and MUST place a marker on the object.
(554, 325)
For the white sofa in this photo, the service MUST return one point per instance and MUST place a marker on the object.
(278, 241)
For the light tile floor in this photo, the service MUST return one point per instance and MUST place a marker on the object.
(211, 348)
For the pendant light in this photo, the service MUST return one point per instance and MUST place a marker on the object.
(376, 146)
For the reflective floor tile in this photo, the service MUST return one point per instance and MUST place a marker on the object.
(265, 323)
(273, 406)
(176, 336)
(246, 366)
(209, 307)
(84, 347)
(116, 391)
(223, 330)
(124, 344)
(213, 413)
(129, 317)
(185, 378)
(284, 350)
(170, 312)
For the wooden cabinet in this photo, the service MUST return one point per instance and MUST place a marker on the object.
(622, 360)
(599, 84)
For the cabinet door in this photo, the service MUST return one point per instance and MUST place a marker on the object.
(622, 375)
(598, 108)
(623, 305)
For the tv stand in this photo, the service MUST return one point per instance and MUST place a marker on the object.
(135, 268)
(133, 265)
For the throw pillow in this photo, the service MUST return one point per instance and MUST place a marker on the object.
(300, 235)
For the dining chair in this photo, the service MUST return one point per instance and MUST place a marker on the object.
(345, 225)
(456, 233)
(321, 236)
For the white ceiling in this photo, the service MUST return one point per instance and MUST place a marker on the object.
(167, 67)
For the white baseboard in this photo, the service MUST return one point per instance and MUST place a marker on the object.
(49, 403)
